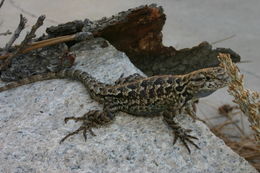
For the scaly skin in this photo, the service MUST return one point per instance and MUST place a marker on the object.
(165, 95)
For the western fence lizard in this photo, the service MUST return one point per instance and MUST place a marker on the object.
(166, 95)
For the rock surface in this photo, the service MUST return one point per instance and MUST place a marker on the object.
(31, 123)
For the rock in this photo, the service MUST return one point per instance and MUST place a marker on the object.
(31, 122)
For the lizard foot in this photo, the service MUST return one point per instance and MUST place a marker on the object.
(92, 119)
(179, 132)
(185, 138)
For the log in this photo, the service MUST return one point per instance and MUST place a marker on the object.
(138, 33)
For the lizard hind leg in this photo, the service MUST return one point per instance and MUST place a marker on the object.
(92, 119)
(181, 133)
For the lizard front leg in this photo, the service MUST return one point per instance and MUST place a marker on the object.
(91, 119)
(179, 132)
(190, 109)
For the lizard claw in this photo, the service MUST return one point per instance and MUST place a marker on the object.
(84, 128)
(185, 138)
(91, 119)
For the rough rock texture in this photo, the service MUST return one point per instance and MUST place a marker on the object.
(31, 123)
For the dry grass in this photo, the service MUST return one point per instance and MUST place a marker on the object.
(245, 145)
(248, 102)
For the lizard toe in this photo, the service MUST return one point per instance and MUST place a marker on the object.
(185, 138)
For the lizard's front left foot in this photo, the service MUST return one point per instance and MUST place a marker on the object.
(183, 135)
(92, 119)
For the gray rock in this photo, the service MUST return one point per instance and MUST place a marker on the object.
(31, 123)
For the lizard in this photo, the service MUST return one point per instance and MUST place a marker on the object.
(165, 95)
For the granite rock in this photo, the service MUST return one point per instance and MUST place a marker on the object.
(31, 123)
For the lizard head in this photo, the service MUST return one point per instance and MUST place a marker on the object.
(208, 80)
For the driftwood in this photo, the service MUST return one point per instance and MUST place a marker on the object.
(137, 32)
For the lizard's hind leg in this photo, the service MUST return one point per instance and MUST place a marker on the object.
(92, 119)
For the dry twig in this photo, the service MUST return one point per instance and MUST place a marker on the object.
(224, 39)
(52, 41)
(28, 38)
(2, 2)
(8, 32)
(16, 34)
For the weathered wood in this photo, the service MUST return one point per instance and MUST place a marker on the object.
(137, 32)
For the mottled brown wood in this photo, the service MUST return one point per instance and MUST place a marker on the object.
(137, 32)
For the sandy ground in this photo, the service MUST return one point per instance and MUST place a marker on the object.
(188, 23)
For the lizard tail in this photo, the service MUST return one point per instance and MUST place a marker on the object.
(92, 85)
(28, 80)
